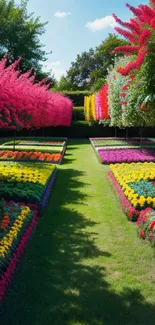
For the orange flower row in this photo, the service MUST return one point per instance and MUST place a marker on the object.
(39, 156)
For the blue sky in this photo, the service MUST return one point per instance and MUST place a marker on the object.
(75, 26)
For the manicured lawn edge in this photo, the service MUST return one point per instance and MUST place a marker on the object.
(62, 155)
(47, 192)
(96, 152)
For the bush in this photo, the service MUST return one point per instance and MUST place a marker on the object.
(78, 114)
(77, 97)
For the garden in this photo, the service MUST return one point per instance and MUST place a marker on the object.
(77, 215)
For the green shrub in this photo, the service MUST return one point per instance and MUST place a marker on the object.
(77, 97)
(78, 114)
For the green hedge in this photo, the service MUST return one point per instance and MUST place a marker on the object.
(77, 97)
(78, 114)
(80, 129)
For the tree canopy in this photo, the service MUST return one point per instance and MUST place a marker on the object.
(19, 36)
(92, 65)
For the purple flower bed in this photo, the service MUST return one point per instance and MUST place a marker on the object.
(130, 141)
(125, 155)
(136, 141)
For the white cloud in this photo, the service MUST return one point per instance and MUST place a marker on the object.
(99, 24)
(56, 69)
(62, 14)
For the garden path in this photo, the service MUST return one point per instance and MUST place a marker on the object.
(85, 264)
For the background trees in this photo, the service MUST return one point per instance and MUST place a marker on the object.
(19, 36)
(90, 67)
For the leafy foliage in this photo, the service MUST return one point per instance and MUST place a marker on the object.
(19, 36)
(78, 114)
(77, 97)
(140, 109)
(90, 66)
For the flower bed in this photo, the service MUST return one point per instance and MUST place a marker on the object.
(107, 142)
(136, 141)
(146, 225)
(30, 156)
(36, 143)
(17, 222)
(115, 142)
(115, 148)
(125, 155)
(26, 182)
(137, 182)
(46, 149)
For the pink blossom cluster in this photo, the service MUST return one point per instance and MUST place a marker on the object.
(25, 104)
(98, 108)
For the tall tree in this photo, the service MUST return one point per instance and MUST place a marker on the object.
(64, 84)
(19, 36)
(92, 65)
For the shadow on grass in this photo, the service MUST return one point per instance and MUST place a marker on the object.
(58, 282)
(65, 160)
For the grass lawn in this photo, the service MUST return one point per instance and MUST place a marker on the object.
(85, 264)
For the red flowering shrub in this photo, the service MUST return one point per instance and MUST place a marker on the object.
(140, 30)
(103, 101)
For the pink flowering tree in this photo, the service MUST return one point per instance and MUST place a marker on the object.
(25, 104)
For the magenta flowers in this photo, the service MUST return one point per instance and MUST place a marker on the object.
(24, 104)
(126, 155)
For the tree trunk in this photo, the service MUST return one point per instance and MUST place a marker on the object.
(43, 132)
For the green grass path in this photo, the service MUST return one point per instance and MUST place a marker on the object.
(85, 264)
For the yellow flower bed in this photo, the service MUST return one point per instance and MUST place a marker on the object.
(20, 172)
(135, 172)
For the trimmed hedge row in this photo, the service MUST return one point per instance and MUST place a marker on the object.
(81, 129)
(77, 97)
(78, 114)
